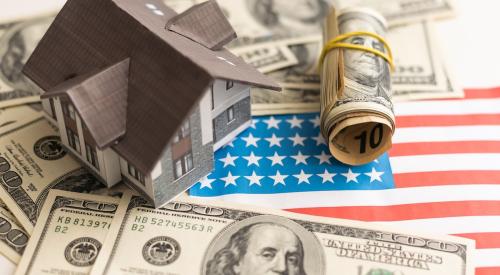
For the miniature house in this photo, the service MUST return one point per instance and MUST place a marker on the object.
(143, 94)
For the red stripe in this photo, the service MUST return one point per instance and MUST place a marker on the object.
(484, 240)
(407, 211)
(448, 147)
(493, 92)
(488, 270)
(447, 120)
(446, 178)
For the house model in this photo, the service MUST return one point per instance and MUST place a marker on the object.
(143, 94)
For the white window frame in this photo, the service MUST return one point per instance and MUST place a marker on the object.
(230, 114)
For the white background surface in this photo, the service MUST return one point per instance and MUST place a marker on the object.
(470, 43)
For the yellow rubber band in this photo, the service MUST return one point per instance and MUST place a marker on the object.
(336, 43)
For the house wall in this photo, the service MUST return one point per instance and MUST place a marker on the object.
(225, 130)
(165, 186)
(109, 167)
(145, 188)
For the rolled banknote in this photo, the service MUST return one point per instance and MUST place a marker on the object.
(215, 238)
(357, 115)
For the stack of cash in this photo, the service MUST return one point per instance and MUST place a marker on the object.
(56, 218)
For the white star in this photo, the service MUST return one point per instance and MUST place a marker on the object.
(323, 158)
(206, 182)
(272, 123)
(252, 159)
(273, 140)
(228, 160)
(374, 175)
(250, 140)
(297, 140)
(327, 176)
(315, 121)
(303, 177)
(254, 179)
(299, 158)
(295, 122)
(229, 144)
(254, 122)
(230, 179)
(276, 159)
(279, 178)
(350, 176)
(319, 139)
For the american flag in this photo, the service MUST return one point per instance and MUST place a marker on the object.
(445, 163)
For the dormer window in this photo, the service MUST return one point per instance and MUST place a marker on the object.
(229, 85)
(71, 111)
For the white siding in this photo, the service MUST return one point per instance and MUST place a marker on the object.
(223, 98)
(110, 166)
(109, 163)
(205, 108)
(156, 170)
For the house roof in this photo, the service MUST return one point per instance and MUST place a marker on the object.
(101, 100)
(168, 72)
(220, 64)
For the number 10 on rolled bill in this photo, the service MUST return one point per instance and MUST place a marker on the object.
(357, 115)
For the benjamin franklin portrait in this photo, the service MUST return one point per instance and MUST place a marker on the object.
(285, 17)
(264, 245)
(366, 74)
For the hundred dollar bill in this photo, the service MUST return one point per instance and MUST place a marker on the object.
(267, 59)
(32, 161)
(14, 117)
(69, 234)
(399, 12)
(20, 10)
(13, 238)
(17, 42)
(210, 238)
(258, 21)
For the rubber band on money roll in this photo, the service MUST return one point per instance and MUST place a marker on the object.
(337, 43)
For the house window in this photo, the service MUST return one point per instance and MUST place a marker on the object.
(52, 108)
(183, 165)
(65, 108)
(230, 114)
(184, 132)
(92, 156)
(73, 140)
(71, 110)
(229, 85)
(136, 174)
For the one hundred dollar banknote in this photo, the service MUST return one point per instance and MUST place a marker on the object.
(13, 238)
(69, 233)
(32, 161)
(210, 238)
(17, 42)
(398, 12)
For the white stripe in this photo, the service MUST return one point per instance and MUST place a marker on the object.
(445, 162)
(448, 107)
(451, 225)
(446, 133)
(487, 257)
(427, 194)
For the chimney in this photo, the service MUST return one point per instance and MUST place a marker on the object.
(205, 24)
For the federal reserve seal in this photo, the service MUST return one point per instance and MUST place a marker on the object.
(49, 148)
(82, 251)
(161, 250)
